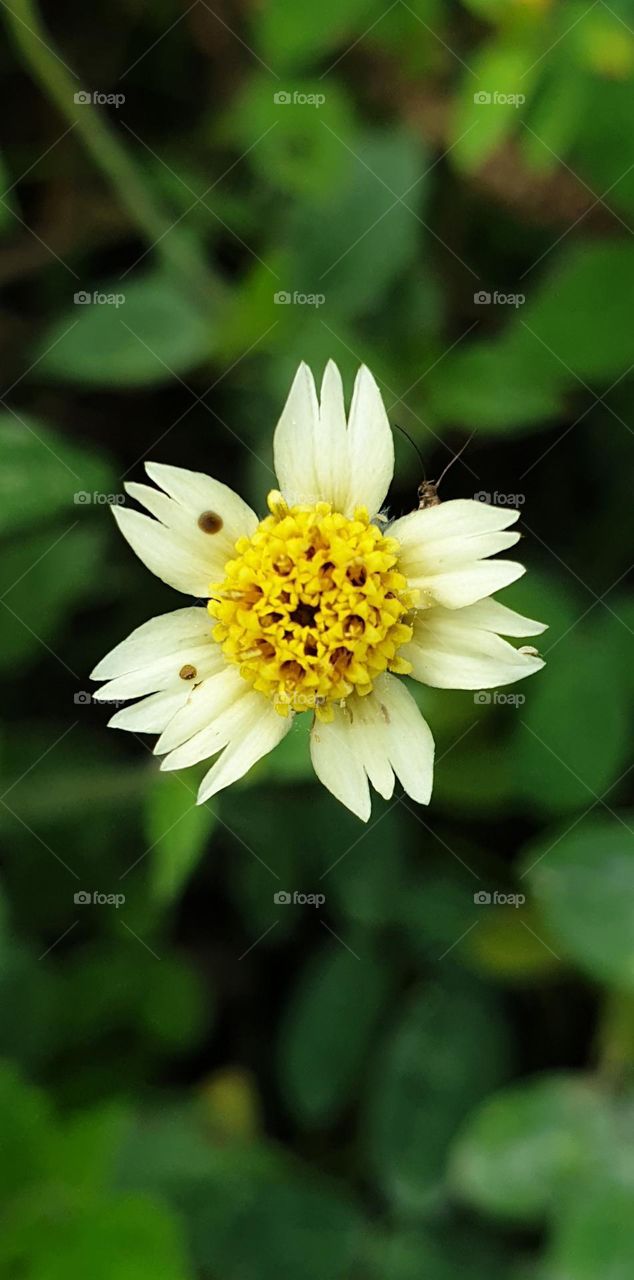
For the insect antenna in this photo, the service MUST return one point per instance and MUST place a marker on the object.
(454, 459)
(412, 442)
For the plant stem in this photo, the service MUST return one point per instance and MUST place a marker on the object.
(108, 152)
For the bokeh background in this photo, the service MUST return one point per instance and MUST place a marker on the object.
(430, 1073)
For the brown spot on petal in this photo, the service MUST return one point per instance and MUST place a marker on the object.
(210, 522)
(188, 672)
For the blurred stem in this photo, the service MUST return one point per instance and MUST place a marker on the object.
(615, 1039)
(107, 151)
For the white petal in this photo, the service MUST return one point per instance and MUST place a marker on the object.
(235, 719)
(204, 703)
(317, 457)
(368, 726)
(150, 715)
(166, 553)
(154, 639)
(460, 517)
(407, 738)
(450, 553)
(331, 455)
(209, 550)
(370, 446)
(450, 651)
(295, 441)
(467, 583)
(490, 615)
(164, 672)
(267, 728)
(443, 549)
(337, 765)
(379, 735)
(195, 494)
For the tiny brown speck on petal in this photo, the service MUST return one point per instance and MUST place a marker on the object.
(210, 522)
(188, 672)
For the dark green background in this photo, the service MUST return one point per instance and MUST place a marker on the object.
(404, 1084)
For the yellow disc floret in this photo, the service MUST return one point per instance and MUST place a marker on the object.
(311, 607)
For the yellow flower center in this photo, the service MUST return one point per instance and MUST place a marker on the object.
(311, 608)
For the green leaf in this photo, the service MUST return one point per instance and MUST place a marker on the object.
(300, 151)
(250, 1215)
(29, 1133)
(326, 1033)
(520, 1151)
(571, 741)
(86, 1152)
(132, 1239)
(42, 579)
(489, 109)
(492, 387)
(44, 474)
(557, 332)
(446, 1052)
(368, 232)
(178, 832)
(288, 34)
(583, 882)
(593, 1237)
(157, 332)
(443, 1254)
(293, 1228)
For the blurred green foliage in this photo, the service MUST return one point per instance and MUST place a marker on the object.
(431, 1074)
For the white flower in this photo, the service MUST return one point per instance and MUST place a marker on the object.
(315, 608)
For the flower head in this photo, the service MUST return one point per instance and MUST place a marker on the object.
(318, 608)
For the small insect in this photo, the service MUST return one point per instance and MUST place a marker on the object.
(428, 489)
